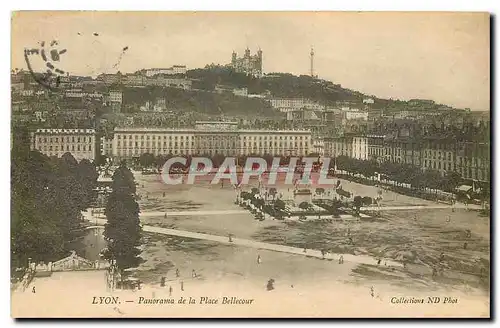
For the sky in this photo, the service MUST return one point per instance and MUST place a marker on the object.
(440, 56)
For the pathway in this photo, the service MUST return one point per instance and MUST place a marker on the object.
(361, 259)
(364, 208)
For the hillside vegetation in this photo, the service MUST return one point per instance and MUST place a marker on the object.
(211, 103)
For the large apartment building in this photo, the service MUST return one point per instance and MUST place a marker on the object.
(131, 142)
(349, 145)
(56, 142)
(470, 159)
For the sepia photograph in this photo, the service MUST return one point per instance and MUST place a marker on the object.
(250, 164)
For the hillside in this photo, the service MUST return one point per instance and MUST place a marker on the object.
(205, 102)
(281, 85)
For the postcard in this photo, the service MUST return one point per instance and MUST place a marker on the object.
(250, 164)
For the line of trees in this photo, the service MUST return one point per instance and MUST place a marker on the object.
(401, 173)
(148, 160)
(47, 197)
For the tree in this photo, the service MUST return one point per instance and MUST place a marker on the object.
(87, 176)
(357, 203)
(367, 201)
(279, 205)
(35, 224)
(304, 206)
(123, 230)
(451, 181)
(273, 192)
(319, 191)
(147, 160)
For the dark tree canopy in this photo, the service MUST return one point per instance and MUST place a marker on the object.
(123, 230)
(48, 195)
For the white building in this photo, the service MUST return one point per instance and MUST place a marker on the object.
(360, 148)
(176, 69)
(278, 103)
(115, 96)
(243, 92)
(318, 146)
(78, 93)
(355, 115)
(350, 146)
(131, 142)
(56, 142)
(368, 101)
(290, 104)
(27, 92)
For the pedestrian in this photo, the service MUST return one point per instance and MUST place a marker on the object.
(270, 284)
(170, 290)
(323, 253)
(165, 216)
(177, 273)
(193, 274)
(182, 286)
(372, 291)
(259, 260)
(378, 262)
(162, 282)
(230, 238)
(33, 290)
(305, 250)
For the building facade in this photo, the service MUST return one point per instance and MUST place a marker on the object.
(176, 69)
(247, 64)
(131, 142)
(56, 142)
(353, 146)
(470, 159)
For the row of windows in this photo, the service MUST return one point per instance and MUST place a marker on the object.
(149, 144)
(155, 137)
(207, 144)
(438, 166)
(289, 144)
(68, 148)
(141, 137)
(136, 152)
(472, 174)
(275, 137)
(434, 153)
(64, 139)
